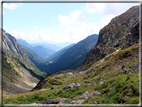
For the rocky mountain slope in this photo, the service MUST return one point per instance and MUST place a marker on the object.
(114, 35)
(19, 73)
(113, 79)
(17, 78)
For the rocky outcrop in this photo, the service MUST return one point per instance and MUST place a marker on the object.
(72, 85)
(20, 74)
(13, 49)
(133, 36)
(88, 94)
(51, 101)
(115, 34)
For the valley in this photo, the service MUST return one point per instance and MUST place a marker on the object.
(101, 69)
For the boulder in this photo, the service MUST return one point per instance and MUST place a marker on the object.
(77, 85)
(102, 81)
(96, 93)
(64, 76)
(79, 101)
(55, 82)
(69, 73)
(66, 87)
(72, 85)
(85, 95)
(51, 101)
(57, 77)
(95, 102)
(110, 89)
(73, 101)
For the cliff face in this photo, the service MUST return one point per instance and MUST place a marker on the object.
(20, 74)
(115, 35)
(12, 48)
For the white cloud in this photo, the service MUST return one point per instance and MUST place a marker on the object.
(64, 20)
(17, 34)
(106, 19)
(75, 17)
(82, 31)
(37, 37)
(35, 27)
(117, 8)
(21, 34)
(81, 28)
(73, 27)
(12, 6)
(108, 10)
(95, 7)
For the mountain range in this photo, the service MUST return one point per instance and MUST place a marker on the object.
(39, 49)
(72, 58)
(24, 59)
(100, 69)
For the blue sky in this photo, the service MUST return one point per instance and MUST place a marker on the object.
(58, 22)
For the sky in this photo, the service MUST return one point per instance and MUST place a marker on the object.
(58, 22)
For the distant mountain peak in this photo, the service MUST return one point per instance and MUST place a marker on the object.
(20, 39)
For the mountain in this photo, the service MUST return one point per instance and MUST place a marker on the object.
(48, 46)
(34, 57)
(111, 79)
(24, 43)
(56, 55)
(64, 44)
(114, 35)
(19, 73)
(43, 52)
(74, 56)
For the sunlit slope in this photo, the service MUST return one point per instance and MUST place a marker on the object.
(116, 77)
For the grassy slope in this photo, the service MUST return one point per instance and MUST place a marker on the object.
(124, 82)
(16, 78)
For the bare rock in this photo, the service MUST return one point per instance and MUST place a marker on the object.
(96, 93)
(79, 101)
(69, 73)
(86, 95)
(73, 101)
(51, 101)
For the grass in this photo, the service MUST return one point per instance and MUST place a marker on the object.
(121, 87)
